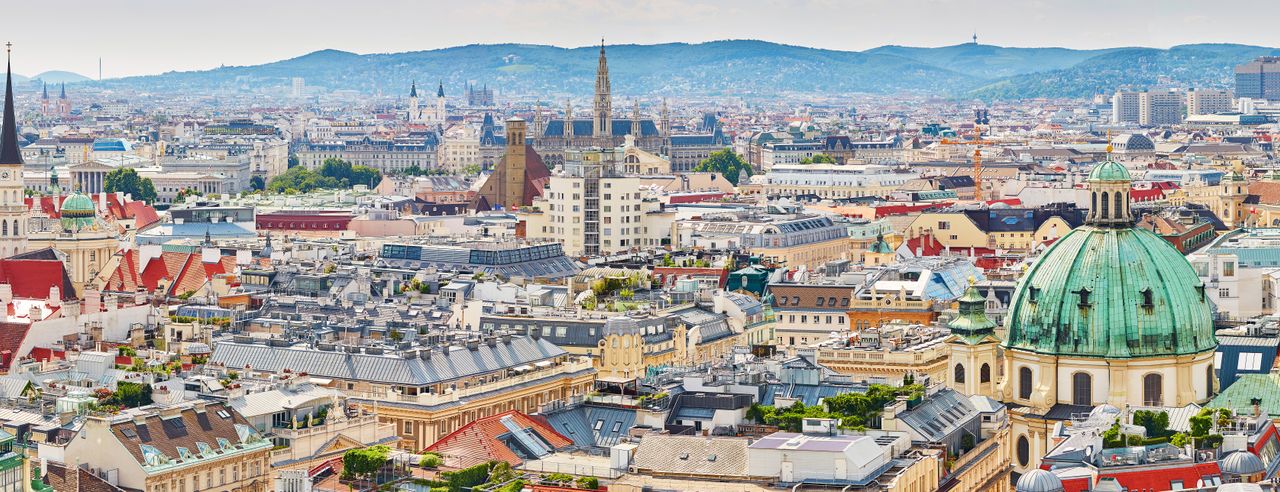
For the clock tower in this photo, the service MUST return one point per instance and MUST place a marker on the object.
(14, 214)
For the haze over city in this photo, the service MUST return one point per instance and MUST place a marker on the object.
(197, 36)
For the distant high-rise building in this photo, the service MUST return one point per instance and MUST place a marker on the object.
(1259, 79)
(298, 85)
(1159, 107)
(1124, 107)
(1208, 101)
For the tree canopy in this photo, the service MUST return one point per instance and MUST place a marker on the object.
(818, 159)
(126, 180)
(364, 462)
(334, 173)
(727, 163)
(854, 410)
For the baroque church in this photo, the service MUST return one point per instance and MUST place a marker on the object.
(1110, 314)
(601, 129)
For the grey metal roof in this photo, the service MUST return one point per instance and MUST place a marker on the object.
(393, 369)
(940, 415)
(1039, 481)
(689, 455)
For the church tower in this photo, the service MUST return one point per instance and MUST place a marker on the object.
(568, 122)
(602, 117)
(635, 120)
(413, 114)
(440, 116)
(973, 347)
(44, 100)
(64, 104)
(13, 209)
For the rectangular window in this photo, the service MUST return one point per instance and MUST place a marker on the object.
(408, 428)
(1224, 293)
(1228, 269)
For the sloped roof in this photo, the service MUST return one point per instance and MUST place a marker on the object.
(457, 363)
(479, 441)
(32, 278)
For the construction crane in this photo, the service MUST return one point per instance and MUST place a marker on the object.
(980, 118)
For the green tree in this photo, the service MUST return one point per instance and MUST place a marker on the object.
(293, 161)
(126, 180)
(363, 463)
(130, 395)
(186, 192)
(256, 183)
(818, 159)
(349, 175)
(727, 163)
(431, 460)
(301, 180)
(471, 170)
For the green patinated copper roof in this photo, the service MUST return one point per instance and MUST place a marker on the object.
(77, 212)
(1087, 296)
(880, 246)
(1109, 170)
(1240, 395)
(972, 324)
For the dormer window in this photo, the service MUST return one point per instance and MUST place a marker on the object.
(1148, 298)
(1033, 294)
(1084, 297)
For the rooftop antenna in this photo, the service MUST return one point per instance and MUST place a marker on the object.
(99, 69)
(975, 36)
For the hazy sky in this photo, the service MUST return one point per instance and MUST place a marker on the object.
(150, 36)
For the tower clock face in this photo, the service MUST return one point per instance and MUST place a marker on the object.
(4, 175)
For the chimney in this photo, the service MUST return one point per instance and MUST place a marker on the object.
(92, 300)
(55, 295)
(73, 477)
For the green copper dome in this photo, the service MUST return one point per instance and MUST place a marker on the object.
(1109, 170)
(880, 246)
(972, 322)
(77, 211)
(1111, 292)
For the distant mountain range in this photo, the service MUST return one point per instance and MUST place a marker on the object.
(738, 67)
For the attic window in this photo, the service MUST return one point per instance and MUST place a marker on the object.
(1148, 300)
(1033, 293)
(224, 414)
(820, 301)
(782, 301)
(129, 433)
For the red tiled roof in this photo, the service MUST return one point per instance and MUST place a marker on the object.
(478, 442)
(11, 337)
(1146, 195)
(31, 279)
(185, 272)
(1160, 478)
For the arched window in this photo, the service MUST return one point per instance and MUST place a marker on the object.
(1024, 383)
(1153, 390)
(1024, 451)
(1081, 389)
(984, 373)
(1106, 211)
(959, 373)
(1094, 209)
(1119, 208)
(1208, 378)
(6, 228)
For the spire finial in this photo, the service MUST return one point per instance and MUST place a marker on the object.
(1109, 147)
